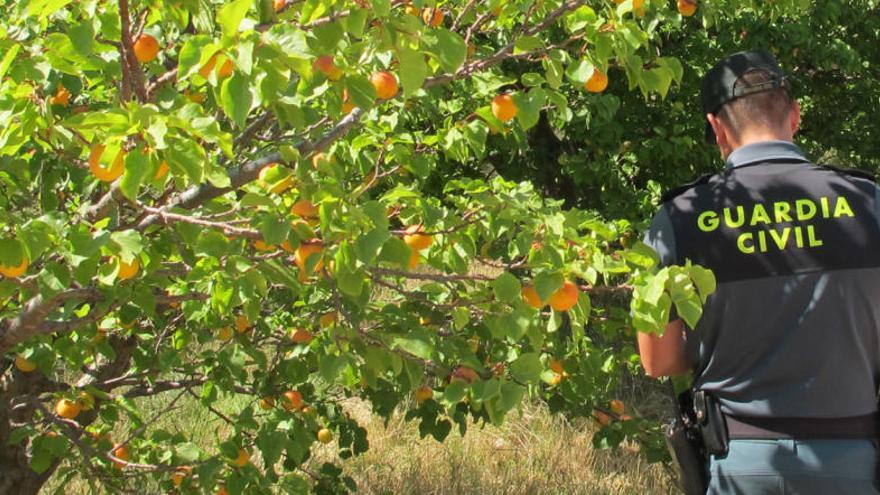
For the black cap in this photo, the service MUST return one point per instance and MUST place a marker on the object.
(719, 85)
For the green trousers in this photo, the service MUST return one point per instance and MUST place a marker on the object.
(826, 467)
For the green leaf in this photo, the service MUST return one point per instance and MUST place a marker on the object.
(704, 279)
(527, 43)
(448, 47)
(511, 395)
(236, 98)
(137, 170)
(212, 243)
(529, 107)
(418, 343)
(229, 16)
(187, 158)
(413, 70)
(507, 288)
(527, 368)
(361, 91)
(130, 244)
(546, 283)
(186, 453)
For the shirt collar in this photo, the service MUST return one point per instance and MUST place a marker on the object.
(764, 151)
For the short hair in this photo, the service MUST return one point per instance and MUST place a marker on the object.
(767, 109)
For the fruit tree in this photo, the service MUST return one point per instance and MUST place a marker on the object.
(426, 205)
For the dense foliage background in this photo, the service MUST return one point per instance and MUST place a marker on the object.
(404, 245)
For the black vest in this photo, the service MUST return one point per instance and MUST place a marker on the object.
(770, 219)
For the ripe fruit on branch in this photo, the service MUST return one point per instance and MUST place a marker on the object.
(503, 107)
(385, 84)
(224, 334)
(432, 16)
(327, 319)
(601, 418)
(120, 452)
(324, 435)
(260, 245)
(24, 365)
(146, 48)
(279, 5)
(225, 70)
(325, 65)
(414, 259)
(267, 403)
(67, 408)
(566, 297)
(412, 10)
(305, 251)
(617, 406)
(13, 271)
(128, 270)
(241, 323)
(97, 168)
(162, 171)
(416, 239)
(275, 178)
(422, 394)
(221, 491)
(557, 366)
(637, 4)
(464, 374)
(555, 380)
(301, 336)
(687, 8)
(597, 82)
(179, 475)
(62, 96)
(243, 459)
(347, 104)
(531, 297)
(304, 208)
(292, 400)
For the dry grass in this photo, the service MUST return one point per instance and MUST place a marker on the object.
(534, 452)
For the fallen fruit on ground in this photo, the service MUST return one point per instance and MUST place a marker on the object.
(325, 435)
(503, 107)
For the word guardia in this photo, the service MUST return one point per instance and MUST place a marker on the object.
(801, 210)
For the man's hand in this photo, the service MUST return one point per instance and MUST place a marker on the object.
(664, 355)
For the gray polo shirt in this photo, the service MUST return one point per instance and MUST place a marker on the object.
(802, 340)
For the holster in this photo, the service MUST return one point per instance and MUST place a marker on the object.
(711, 424)
(684, 446)
(685, 443)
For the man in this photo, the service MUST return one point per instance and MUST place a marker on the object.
(789, 344)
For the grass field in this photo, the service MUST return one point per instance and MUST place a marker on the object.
(534, 452)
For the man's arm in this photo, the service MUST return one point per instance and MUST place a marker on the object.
(664, 355)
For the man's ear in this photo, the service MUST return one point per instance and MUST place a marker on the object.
(794, 117)
(720, 130)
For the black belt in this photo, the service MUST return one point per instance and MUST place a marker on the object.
(803, 428)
